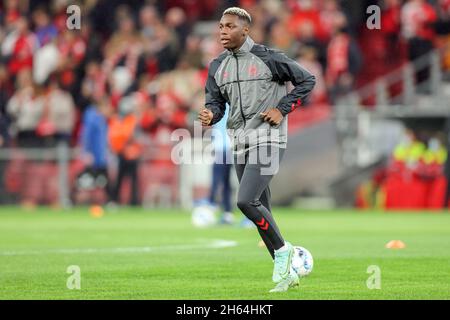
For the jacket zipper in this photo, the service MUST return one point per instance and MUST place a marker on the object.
(239, 88)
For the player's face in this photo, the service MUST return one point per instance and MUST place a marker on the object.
(233, 31)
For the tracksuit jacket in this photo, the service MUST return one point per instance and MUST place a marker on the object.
(252, 80)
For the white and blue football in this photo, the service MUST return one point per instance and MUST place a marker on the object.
(203, 216)
(302, 262)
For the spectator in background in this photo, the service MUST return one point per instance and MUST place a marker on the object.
(4, 136)
(4, 123)
(391, 27)
(175, 19)
(5, 93)
(308, 59)
(46, 60)
(11, 13)
(280, 39)
(166, 48)
(123, 139)
(443, 31)
(45, 30)
(443, 12)
(307, 38)
(6, 90)
(150, 21)
(19, 46)
(58, 12)
(61, 111)
(170, 115)
(343, 61)
(93, 85)
(418, 18)
(195, 10)
(330, 11)
(159, 42)
(193, 56)
(145, 107)
(211, 48)
(124, 48)
(72, 51)
(447, 165)
(94, 143)
(25, 109)
(92, 40)
(304, 11)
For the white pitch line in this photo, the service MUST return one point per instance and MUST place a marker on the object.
(213, 244)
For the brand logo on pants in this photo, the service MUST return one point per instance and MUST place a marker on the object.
(263, 224)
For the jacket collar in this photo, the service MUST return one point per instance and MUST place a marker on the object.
(246, 47)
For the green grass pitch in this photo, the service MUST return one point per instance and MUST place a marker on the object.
(158, 254)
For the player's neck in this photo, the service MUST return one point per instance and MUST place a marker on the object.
(238, 47)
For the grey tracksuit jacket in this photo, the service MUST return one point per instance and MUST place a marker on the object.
(252, 80)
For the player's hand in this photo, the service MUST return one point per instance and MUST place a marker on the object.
(272, 116)
(205, 116)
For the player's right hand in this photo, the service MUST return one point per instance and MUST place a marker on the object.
(205, 116)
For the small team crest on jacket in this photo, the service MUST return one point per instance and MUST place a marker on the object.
(252, 70)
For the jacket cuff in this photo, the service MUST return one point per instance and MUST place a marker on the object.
(285, 108)
(216, 116)
(282, 110)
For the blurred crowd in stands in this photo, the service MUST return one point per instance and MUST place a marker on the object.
(136, 70)
(413, 177)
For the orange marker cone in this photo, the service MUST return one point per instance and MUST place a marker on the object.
(96, 211)
(395, 244)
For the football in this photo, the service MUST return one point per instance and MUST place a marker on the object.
(302, 262)
(203, 216)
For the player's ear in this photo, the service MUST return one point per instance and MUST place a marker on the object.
(246, 30)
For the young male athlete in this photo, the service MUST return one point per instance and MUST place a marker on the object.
(252, 78)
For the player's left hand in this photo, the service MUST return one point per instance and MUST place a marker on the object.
(272, 116)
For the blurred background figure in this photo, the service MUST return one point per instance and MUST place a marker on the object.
(58, 119)
(94, 154)
(447, 167)
(44, 28)
(19, 46)
(25, 109)
(124, 142)
(343, 60)
(308, 58)
(418, 19)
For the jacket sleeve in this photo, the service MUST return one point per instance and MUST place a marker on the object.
(214, 100)
(285, 69)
